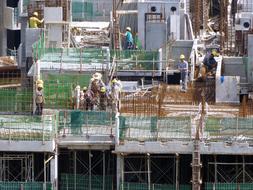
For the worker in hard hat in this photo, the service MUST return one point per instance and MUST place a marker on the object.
(129, 41)
(209, 61)
(88, 99)
(116, 88)
(39, 99)
(103, 97)
(183, 68)
(34, 21)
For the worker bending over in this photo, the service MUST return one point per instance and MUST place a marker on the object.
(183, 68)
(34, 21)
(209, 62)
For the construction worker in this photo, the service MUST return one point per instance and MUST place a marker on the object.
(39, 99)
(34, 21)
(183, 68)
(129, 41)
(116, 88)
(103, 97)
(209, 62)
(87, 99)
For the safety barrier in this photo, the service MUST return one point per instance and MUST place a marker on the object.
(16, 100)
(229, 128)
(25, 185)
(153, 128)
(145, 186)
(86, 122)
(85, 182)
(228, 186)
(136, 60)
(183, 128)
(27, 128)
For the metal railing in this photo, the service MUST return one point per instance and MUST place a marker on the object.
(25, 185)
(183, 128)
(77, 123)
(27, 128)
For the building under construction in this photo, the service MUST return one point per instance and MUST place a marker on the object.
(154, 136)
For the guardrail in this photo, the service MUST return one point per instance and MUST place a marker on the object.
(77, 123)
(183, 128)
(27, 128)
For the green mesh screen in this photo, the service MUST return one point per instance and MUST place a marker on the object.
(16, 100)
(24, 186)
(229, 186)
(144, 186)
(58, 88)
(82, 182)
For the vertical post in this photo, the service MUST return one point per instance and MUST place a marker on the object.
(74, 160)
(215, 170)
(103, 170)
(120, 171)
(243, 168)
(90, 155)
(177, 171)
(54, 170)
(45, 172)
(149, 172)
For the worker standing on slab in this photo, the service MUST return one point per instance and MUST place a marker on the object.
(209, 62)
(87, 99)
(39, 99)
(34, 21)
(116, 88)
(103, 97)
(129, 41)
(183, 68)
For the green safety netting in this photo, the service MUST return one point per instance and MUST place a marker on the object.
(135, 59)
(222, 127)
(18, 100)
(25, 186)
(84, 182)
(82, 10)
(144, 186)
(228, 186)
(153, 128)
(27, 128)
(58, 88)
(79, 121)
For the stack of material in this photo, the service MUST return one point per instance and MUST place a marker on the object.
(8, 63)
(91, 34)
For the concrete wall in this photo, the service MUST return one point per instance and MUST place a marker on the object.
(162, 6)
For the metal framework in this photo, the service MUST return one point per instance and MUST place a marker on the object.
(146, 169)
(14, 167)
(237, 172)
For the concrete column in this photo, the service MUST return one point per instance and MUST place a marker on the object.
(54, 171)
(3, 31)
(120, 170)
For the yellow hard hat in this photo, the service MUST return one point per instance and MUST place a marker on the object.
(40, 85)
(39, 82)
(114, 80)
(214, 52)
(103, 89)
(35, 14)
(182, 56)
(84, 88)
(128, 28)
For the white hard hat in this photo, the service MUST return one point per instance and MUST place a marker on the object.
(128, 28)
